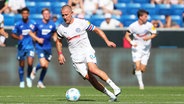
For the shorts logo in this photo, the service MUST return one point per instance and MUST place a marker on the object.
(41, 55)
(92, 56)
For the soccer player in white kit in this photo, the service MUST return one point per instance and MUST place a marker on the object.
(82, 53)
(142, 31)
(3, 34)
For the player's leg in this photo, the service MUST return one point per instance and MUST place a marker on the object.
(29, 70)
(144, 61)
(101, 74)
(81, 68)
(136, 57)
(96, 84)
(34, 70)
(44, 64)
(21, 73)
(21, 59)
(138, 74)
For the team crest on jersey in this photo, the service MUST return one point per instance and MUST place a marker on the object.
(31, 26)
(21, 26)
(50, 26)
(78, 30)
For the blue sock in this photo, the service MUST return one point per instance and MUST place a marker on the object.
(21, 74)
(42, 74)
(29, 69)
(38, 67)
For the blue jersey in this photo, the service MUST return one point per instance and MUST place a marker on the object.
(22, 28)
(45, 31)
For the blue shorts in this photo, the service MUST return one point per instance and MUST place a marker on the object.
(47, 54)
(22, 54)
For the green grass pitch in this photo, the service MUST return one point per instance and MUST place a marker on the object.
(56, 95)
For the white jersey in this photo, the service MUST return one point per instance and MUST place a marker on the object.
(77, 38)
(112, 24)
(1, 21)
(139, 31)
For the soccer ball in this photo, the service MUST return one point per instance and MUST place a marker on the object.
(72, 94)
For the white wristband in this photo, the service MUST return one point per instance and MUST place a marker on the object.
(132, 42)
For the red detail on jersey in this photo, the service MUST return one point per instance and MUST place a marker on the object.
(141, 35)
(77, 36)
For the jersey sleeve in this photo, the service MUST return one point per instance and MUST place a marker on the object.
(15, 28)
(153, 30)
(89, 26)
(1, 21)
(59, 32)
(131, 28)
(35, 27)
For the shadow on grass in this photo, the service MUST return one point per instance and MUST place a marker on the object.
(80, 100)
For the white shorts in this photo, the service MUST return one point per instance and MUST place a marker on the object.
(140, 56)
(2, 39)
(81, 67)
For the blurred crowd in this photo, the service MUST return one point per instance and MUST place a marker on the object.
(88, 8)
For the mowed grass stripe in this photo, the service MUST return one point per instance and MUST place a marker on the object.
(56, 95)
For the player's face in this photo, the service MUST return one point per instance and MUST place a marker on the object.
(46, 15)
(67, 15)
(25, 15)
(144, 18)
(108, 20)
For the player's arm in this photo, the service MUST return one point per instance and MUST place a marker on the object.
(33, 35)
(153, 32)
(54, 36)
(104, 37)
(2, 32)
(16, 36)
(61, 57)
(127, 37)
(150, 37)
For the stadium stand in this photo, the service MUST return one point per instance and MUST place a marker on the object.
(128, 19)
(32, 6)
(158, 17)
(132, 8)
(97, 19)
(129, 9)
(42, 4)
(177, 9)
(151, 8)
(164, 9)
(141, 1)
(56, 7)
(9, 19)
(177, 19)
(122, 7)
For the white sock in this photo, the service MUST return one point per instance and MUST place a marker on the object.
(139, 77)
(108, 93)
(112, 84)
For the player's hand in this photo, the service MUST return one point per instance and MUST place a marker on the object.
(111, 44)
(6, 35)
(40, 40)
(20, 37)
(146, 38)
(61, 59)
(133, 43)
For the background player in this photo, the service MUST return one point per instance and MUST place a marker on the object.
(45, 29)
(142, 32)
(82, 53)
(25, 45)
(3, 34)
